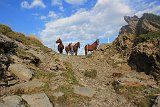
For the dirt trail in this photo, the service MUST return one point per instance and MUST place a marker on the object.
(105, 95)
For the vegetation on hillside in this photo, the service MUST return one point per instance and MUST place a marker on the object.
(144, 37)
(27, 40)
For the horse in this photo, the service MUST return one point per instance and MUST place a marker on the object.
(68, 48)
(60, 46)
(75, 48)
(91, 47)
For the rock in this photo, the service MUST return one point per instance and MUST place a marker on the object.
(142, 52)
(39, 55)
(16, 59)
(37, 100)
(145, 57)
(36, 61)
(84, 91)
(103, 47)
(21, 71)
(58, 94)
(129, 82)
(124, 43)
(12, 101)
(2, 105)
(148, 23)
(27, 86)
(53, 66)
(117, 59)
(157, 102)
(131, 27)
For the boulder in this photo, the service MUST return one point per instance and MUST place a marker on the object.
(84, 91)
(37, 100)
(21, 71)
(58, 94)
(157, 102)
(27, 86)
(12, 101)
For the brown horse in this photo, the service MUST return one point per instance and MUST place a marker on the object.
(60, 45)
(68, 48)
(91, 47)
(75, 47)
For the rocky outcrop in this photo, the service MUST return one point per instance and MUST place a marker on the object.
(12, 101)
(147, 23)
(37, 100)
(145, 57)
(157, 102)
(27, 86)
(84, 91)
(132, 24)
(21, 71)
(7, 49)
(139, 43)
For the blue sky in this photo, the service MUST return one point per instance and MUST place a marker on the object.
(72, 20)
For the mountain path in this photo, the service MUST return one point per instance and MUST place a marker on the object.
(105, 95)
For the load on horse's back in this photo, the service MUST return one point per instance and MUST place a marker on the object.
(91, 47)
(60, 45)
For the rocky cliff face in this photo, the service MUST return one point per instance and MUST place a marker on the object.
(140, 44)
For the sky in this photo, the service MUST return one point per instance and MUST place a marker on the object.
(72, 20)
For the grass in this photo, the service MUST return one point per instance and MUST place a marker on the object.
(91, 73)
(70, 99)
(148, 36)
(144, 94)
(40, 74)
(27, 40)
(69, 74)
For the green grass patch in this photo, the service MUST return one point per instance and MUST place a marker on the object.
(148, 36)
(144, 94)
(66, 89)
(91, 73)
(40, 74)
(69, 74)
(70, 99)
(27, 40)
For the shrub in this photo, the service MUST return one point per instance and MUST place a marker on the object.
(91, 73)
(150, 35)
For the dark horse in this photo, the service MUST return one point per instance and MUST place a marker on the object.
(75, 47)
(68, 48)
(91, 47)
(60, 45)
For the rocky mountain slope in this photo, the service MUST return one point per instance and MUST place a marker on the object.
(32, 75)
(139, 42)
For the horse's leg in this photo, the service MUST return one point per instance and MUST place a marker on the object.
(86, 52)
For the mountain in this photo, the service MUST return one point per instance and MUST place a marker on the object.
(122, 74)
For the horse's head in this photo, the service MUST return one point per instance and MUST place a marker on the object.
(59, 41)
(78, 43)
(70, 44)
(97, 41)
